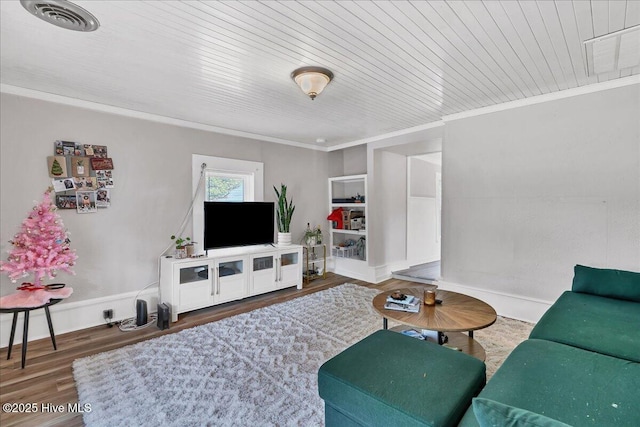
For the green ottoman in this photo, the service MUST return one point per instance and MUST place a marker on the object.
(389, 379)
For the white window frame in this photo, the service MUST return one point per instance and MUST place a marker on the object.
(255, 193)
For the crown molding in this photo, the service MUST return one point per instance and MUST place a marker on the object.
(96, 106)
(382, 137)
(90, 105)
(568, 93)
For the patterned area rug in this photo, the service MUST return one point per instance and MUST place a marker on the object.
(256, 368)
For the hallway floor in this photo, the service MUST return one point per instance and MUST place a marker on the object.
(422, 273)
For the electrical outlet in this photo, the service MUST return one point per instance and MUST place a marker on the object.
(108, 314)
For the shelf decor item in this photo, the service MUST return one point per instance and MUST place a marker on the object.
(312, 236)
(284, 212)
(184, 247)
(41, 247)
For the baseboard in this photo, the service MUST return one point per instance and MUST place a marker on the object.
(385, 271)
(69, 316)
(355, 269)
(371, 274)
(507, 305)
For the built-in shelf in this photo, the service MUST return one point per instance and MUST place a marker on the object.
(356, 232)
(348, 205)
(349, 242)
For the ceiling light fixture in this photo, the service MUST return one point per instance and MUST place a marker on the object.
(62, 14)
(312, 80)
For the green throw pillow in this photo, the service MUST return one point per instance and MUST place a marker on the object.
(606, 282)
(490, 413)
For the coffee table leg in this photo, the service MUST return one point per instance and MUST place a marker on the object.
(385, 323)
(470, 334)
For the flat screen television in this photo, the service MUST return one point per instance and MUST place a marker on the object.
(229, 224)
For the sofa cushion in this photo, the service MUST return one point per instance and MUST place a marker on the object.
(490, 413)
(571, 385)
(390, 379)
(604, 325)
(607, 283)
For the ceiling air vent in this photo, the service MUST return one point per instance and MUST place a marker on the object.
(62, 14)
(613, 52)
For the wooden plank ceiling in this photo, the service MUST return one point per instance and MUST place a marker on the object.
(227, 64)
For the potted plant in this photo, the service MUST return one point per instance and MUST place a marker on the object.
(184, 246)
(312, 236)
(284, 213)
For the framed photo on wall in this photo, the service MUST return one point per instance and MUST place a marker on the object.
(99, 151)
(64, 184)
(103, 198)
(66, 201)
(104, 178)
(99, 163)
(57, 166)
(85, 183)
(86, 201)
(80, 166)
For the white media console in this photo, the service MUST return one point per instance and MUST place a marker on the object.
(228, 274)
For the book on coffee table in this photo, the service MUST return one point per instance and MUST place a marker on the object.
(414, 307)
(407, 299)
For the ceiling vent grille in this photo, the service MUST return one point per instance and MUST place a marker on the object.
(62, 14)
(613, 52)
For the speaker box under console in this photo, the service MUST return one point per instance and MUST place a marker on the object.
(164, 316)
(141, 312)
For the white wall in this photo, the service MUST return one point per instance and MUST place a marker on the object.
(348, 161)
(422, 240)
(422, 177)
(388, 209)
(386, 161)
(532, 191)
(118, 247)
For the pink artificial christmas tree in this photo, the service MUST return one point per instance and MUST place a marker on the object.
(41, 247)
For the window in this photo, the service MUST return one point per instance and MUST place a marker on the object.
(224, 180)
(226, 187)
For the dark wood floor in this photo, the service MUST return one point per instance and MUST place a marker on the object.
(47, 378)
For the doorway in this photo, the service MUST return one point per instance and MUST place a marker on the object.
(424, 185)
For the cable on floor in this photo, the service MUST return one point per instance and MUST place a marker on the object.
(128, 325)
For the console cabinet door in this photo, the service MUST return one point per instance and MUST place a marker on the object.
(194, 281)
(191, 284)
(230, 279)
(289, 268)
(263, 273)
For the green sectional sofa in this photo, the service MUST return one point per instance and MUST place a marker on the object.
(579, 367)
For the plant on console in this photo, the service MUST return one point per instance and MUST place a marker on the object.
(181, 242)
(285, 209)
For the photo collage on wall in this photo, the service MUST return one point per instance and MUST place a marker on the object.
(82, 176)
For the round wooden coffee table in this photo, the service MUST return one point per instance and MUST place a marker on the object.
(456, 314)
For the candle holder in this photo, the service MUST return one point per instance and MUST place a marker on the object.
(429, 297)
